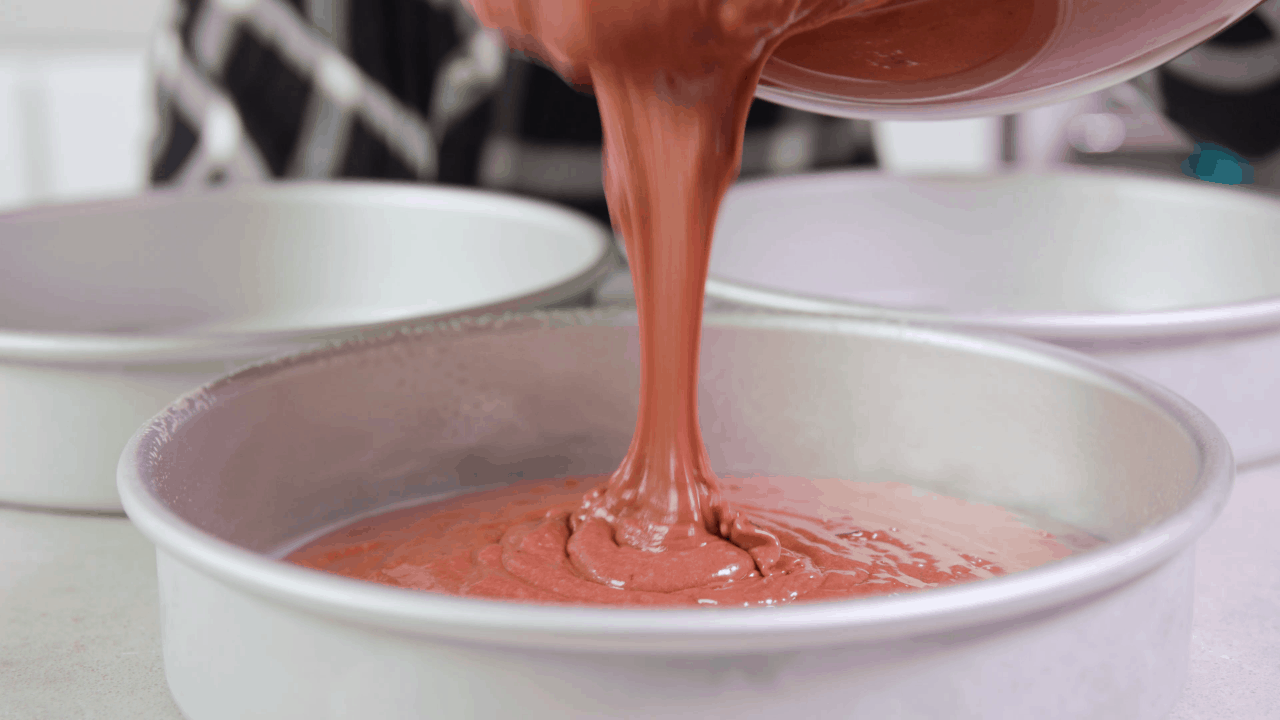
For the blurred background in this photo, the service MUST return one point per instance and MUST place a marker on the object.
(78, 108)
(75, 98)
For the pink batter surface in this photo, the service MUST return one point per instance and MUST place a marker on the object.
(834, 539)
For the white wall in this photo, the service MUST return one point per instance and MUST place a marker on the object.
(75, 101)
(99, 20)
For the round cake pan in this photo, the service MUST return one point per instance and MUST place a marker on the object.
(1176, 280)
(228, 477)
(108, 311)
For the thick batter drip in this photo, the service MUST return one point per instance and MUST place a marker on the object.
(838, 539)
(674, 80)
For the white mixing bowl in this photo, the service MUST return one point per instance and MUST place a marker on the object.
(110, 310)
(1068, 48)
(1175, 280)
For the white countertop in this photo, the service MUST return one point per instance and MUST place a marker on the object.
(79, 631)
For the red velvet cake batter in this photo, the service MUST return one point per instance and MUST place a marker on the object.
(837, 539)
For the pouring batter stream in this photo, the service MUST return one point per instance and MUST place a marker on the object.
(674, 80)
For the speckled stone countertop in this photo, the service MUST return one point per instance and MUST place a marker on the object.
(79, 625)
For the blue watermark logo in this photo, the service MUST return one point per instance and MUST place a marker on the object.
(1216, 164)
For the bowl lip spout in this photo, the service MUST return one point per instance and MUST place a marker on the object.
(685, 631)
(94, 348)
(1256, 315)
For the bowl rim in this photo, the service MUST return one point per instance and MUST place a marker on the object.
(971, 104)
(1255, 315)
(147, 348)
(698, 630)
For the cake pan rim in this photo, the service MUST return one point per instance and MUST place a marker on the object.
(665, 630)
(96, 348)
(1258, 314)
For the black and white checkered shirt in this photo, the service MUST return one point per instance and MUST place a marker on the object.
(417, 90)
(409, 90)
(1227, 90)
